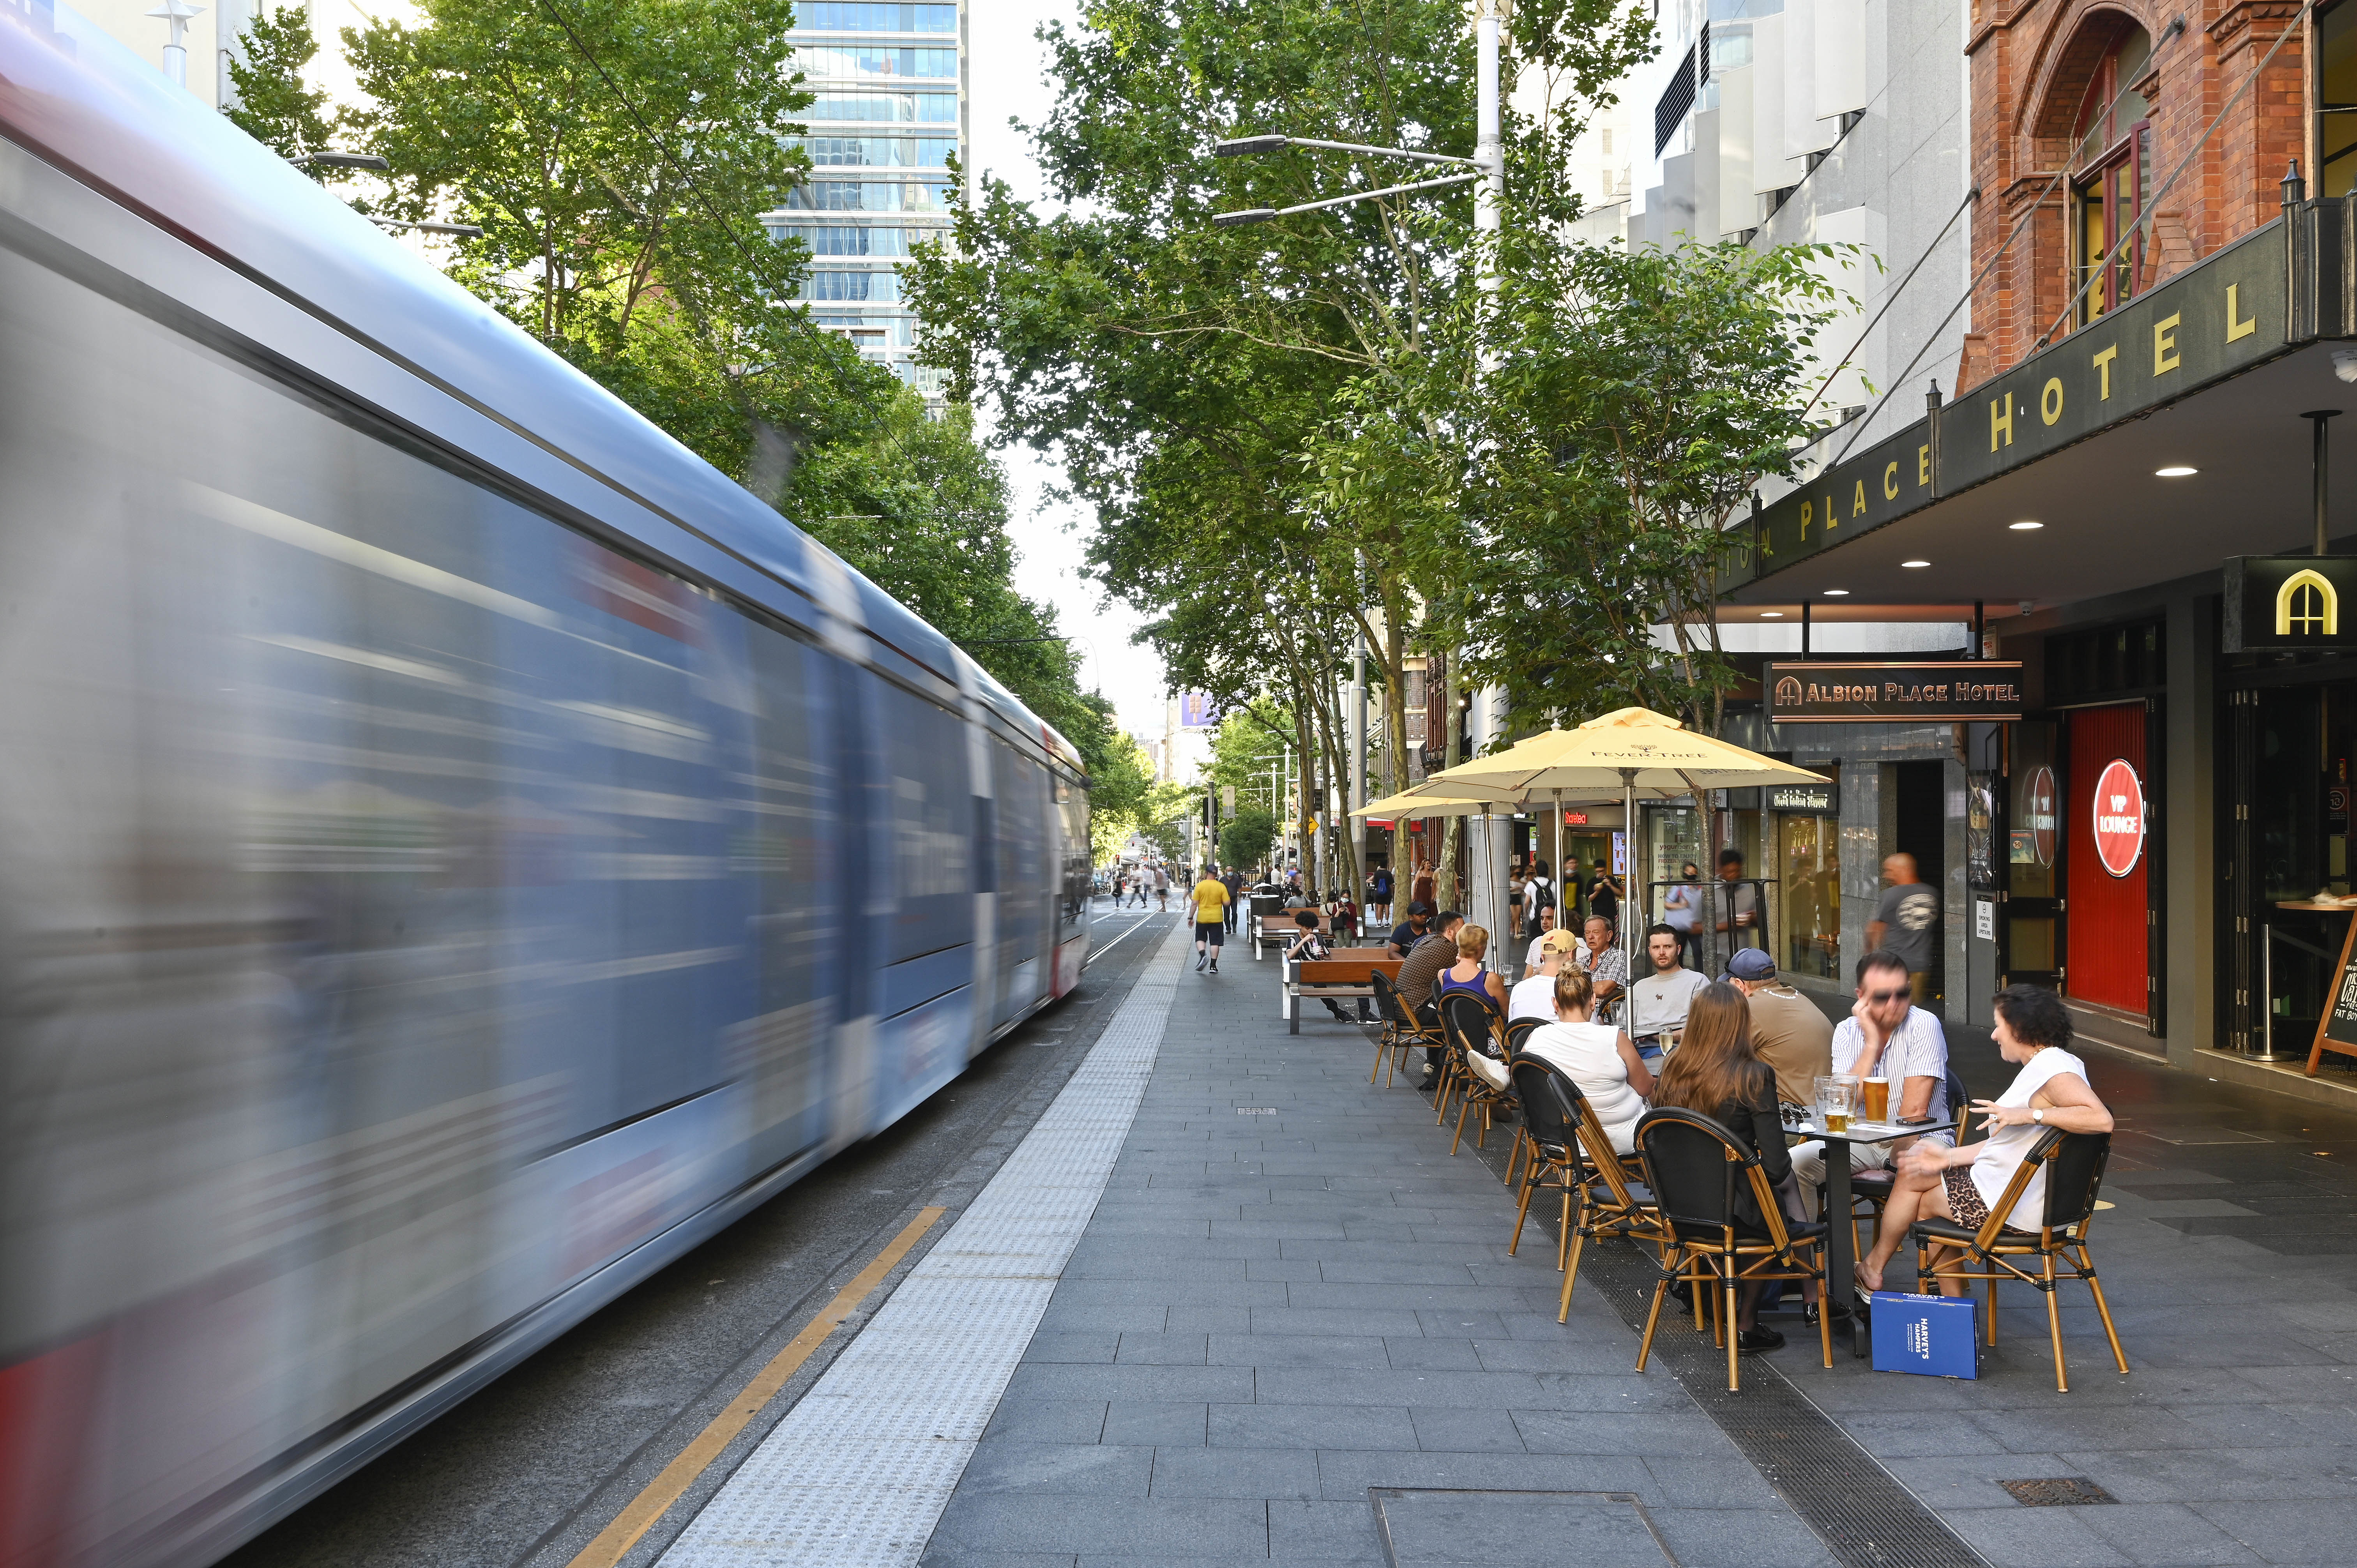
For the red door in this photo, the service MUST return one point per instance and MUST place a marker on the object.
(2103, 832)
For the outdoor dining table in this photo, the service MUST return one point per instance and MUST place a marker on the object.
(1841, 1288)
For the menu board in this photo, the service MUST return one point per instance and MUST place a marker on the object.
(2336, 1030)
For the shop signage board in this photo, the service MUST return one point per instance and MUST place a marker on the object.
(1815, 799)
(2287, 603)
(2336, 1030)
(2119, 818)
(1884, 692)
(2213, 320)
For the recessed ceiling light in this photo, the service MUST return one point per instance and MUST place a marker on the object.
(2024, 527)
(1836, 593)
(1772, 615)
(1914, 562)
(2175, 471)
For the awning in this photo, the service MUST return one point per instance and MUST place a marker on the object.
(2209, 371)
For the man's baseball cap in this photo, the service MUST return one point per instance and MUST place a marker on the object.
(1750, 963)
(1560, 942)
(1419, 908)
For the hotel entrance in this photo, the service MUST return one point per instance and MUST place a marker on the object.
(2286, 830)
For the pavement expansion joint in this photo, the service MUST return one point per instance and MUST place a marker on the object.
(858, 1472)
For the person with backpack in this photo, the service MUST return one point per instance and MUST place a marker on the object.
(1379, 895)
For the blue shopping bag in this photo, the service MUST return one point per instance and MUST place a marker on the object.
(1933, 1335)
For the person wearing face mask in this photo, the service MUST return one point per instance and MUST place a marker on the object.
(1886, 1035)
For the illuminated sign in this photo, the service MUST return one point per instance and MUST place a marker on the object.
(2119, 817)
(1884, 692)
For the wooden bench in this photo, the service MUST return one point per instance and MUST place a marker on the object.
(1348, 973)
(1279, 929)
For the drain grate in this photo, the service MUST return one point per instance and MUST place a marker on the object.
(1432, 1526)
(2057, 1491)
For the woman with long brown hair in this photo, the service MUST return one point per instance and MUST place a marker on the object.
(1715, 1071)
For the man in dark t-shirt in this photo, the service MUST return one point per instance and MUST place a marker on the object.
(1907, 922)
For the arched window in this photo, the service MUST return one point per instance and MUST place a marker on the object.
(2111, 168)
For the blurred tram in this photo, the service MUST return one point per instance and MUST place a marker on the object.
(458, 850)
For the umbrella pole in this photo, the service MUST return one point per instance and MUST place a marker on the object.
(1630, 880)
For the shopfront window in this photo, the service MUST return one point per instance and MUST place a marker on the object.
(2111, 173)
(1808, 914)
(2336, 100)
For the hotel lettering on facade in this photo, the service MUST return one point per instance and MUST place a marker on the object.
(2151, 810)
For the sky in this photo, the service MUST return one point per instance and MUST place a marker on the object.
(1009, 81)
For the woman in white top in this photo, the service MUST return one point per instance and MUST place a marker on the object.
(1596, 1057)
(1963, 1181)
(1533, 995)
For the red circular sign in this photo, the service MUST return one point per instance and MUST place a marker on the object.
(2119, 817)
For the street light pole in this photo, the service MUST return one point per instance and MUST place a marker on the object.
(176, 14)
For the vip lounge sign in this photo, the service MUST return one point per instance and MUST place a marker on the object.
(2119, 817)
(2291, 602)
(1951, 691)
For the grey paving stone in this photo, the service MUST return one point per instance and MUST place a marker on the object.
(1190, 1384)
(1568, 1355)
(1349, 1474)
(2312, 1530)
(1151, 1424)
(1092, 1469)
(2071, 1429)
(1444, 1431)
(1098, 1346)
(1311, 1426)
(1219, 1527)
(1723, 1482)
(1224, 1472)
(1196, 1318)
(1332, 1321)
(2164, 1533)
(2037, 1538)
(949, 1557)
(2202, 1477)
(1551, 1530)
(1298, 1351)
(1741, 1538)
(1340, 1532)
(1407, 1352)
(1914, 1435)
(1046, 1421)
(1161, 1350)
(1464, 1325)
(1675, 1432)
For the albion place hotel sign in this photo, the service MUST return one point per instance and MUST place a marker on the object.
(1949, 691)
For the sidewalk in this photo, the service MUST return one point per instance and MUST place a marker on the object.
(1290, 1295)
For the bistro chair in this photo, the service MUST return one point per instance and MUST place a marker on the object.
(1693, 1164)
(1473, 1024)
(1570, 1151)
(1403, 1031)
(1873, 1187)
(2073, 1164)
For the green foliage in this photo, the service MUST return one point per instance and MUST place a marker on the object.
(1245, 838)
(274, 106)
(1163, 817)
(616, 154)
(1119, 782)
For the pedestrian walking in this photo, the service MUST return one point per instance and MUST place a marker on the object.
(1379, 895)
(1206, 905)
(1234, 881)
(1162, 889)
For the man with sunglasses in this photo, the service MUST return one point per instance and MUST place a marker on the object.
(1886, 1035)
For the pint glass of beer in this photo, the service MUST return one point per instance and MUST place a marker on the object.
(1876, 1105)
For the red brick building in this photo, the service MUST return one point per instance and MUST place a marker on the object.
(2168, 122)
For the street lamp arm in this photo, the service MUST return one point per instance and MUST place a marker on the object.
(1264, 214)
(1244, 146)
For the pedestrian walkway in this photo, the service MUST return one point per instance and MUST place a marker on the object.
(1289, 1331)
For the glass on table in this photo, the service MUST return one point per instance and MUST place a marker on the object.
(1837, 1100)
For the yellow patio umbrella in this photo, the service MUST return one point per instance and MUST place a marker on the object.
(1424, 801)
(1629, 754)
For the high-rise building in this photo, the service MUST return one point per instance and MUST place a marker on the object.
(890, 81)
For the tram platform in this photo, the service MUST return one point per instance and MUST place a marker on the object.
(1228, 1302)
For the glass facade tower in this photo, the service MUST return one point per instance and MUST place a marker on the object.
(890, 81)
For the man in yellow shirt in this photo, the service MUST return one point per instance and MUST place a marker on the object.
(1210, 901)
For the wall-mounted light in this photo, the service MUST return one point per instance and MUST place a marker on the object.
(2175, 471)
(2024, 526)
(1914, 564)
